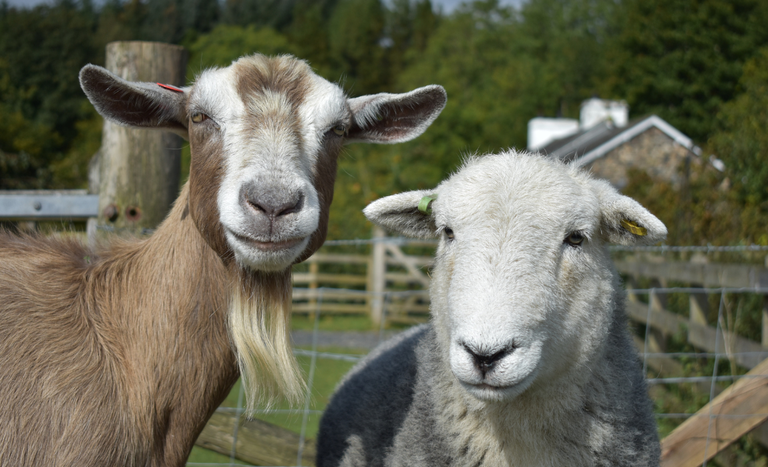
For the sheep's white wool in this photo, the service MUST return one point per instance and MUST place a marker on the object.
(527, 361)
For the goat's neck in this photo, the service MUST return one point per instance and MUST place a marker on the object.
(175, 293)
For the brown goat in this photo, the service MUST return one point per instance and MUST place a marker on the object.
(117, 356)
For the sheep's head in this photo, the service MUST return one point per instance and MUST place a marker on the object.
(523, 290)
(264, 135)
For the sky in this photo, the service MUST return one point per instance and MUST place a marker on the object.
(446, 5)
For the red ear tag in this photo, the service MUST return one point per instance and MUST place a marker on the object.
(169, 87)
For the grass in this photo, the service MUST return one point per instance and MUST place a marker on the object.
(327, 374)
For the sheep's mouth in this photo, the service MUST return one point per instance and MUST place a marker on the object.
(504, 391)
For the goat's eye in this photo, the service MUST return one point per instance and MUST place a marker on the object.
(448, 233)
(199, 117)
(574, 239)
(340, 130)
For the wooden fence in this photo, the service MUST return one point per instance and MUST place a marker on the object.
(388, 269)
(738, 410)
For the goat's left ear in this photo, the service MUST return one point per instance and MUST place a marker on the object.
(395, 118)
(136, 104)
(624, 221)
(407, 213)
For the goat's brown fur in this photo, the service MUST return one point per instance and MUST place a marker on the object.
(138, 372)
(118, 355)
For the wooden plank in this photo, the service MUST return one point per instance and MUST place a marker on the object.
(420, 261)
(410, 265)
(258, 442)
(328, 294)
(734, 413)
(329, 308)
(701, 336)
(307, 277)
(710, 275)
(337, 258)
(402, 278)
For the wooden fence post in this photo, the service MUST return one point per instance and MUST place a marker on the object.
(139, 169)
(378, 276)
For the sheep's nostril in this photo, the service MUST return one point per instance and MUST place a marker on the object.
(486, 361)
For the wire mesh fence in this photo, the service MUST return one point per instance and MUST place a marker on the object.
(685, 375)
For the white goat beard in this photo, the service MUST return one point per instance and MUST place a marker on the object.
(259, 323)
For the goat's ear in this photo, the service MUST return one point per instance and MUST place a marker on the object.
(624, 221)
(395, 118)
(400, 213)
(136, 104)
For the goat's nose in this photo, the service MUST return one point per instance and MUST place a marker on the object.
(486, 361)
(273, 201)
(276, 208)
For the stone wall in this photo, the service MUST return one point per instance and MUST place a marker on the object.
(652, 152)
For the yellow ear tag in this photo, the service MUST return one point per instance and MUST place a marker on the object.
(425, 204)
(634, 228)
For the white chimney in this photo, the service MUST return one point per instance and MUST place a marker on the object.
(542, 131)
(594, 111)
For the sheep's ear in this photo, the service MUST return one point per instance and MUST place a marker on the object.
(408, 213)
(394, 118)
(624, 220)
(141, 105)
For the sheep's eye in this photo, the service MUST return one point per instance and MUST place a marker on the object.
(574, 239)
(199, 117)
(448, 233)
(340, 130)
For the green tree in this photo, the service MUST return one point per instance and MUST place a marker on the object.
(742, 143)
(356, 31)
(276, 14)
(309, 34)
(227, 43)
(42, 51)
(681, 59)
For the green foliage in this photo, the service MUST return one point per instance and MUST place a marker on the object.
(41, 52)
(226, 44)
(355, 31)
(742, 143)
(681, 59)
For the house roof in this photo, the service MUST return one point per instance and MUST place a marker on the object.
(587, 145)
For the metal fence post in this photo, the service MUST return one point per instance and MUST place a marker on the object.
(379, 280)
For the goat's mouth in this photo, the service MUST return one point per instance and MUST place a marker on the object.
(269, 246)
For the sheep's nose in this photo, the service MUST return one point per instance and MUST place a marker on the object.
(486, 361)
(272, 201)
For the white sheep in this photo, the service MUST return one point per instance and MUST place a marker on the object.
(118, 356)
(527, 360)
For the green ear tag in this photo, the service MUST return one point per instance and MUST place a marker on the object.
(634, 228)
(425, 204)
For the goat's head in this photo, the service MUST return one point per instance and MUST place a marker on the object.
(523, 290)
(264, 135)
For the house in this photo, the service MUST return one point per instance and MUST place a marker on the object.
(609, 144)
